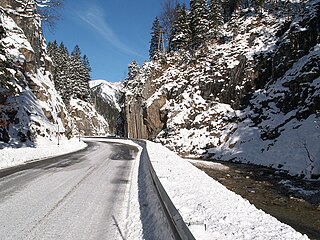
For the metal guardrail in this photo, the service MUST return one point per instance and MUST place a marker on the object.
(177, 224)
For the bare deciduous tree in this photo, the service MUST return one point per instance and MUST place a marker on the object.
(167, 18)
(46, 8)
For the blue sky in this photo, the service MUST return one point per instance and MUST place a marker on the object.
(111, 33)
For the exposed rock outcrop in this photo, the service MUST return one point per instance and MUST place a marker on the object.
(251, 97)
(30, 105)
(87, 120)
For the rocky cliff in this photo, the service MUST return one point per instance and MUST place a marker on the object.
(252, 96)
(30, 105)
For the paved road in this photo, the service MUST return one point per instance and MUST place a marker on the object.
(78, 196)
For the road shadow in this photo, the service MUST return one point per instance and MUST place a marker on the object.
(45, 164)
(123, 152)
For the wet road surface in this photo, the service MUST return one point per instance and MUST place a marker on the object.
(77, 196)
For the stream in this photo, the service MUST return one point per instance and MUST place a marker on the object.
(293, 201)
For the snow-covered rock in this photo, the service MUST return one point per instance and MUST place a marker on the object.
(106, 100)
(30, 106)
(253, 96)
(87, 120)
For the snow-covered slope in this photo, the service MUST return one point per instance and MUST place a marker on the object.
(253, 96)
(106, 99)
(30, 106)
(109, 91)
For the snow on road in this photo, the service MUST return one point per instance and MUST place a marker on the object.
(210, 210)
(77, 196)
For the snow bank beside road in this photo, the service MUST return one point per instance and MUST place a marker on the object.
(44, 148)
(211, 210)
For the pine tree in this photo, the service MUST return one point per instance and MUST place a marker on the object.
(155, 37)
(229, 7)
(199, 23)
(259, 5)
(79, 76)
(60, 57)
(86, 78)
(181, 35)
(71, 72)
(215, 18)
(62, 73)
(133, 70)
(86, 63)
(52, 48)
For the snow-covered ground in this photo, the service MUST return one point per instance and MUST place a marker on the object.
(209, 209)
(43, 148)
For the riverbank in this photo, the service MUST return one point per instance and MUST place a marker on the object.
(291, 200)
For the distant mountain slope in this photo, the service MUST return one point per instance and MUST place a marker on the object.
(253, 96)
(108, 90)
(106, 99)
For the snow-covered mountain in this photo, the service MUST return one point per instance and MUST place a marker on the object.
(253, 96)
(30, 106)
(108, 91)
(106, 99)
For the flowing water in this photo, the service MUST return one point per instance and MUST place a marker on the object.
(291, 200)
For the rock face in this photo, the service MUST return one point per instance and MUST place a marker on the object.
(30, 23)
(250, 97)
(87, 120)
(141, 120)
(30, 106)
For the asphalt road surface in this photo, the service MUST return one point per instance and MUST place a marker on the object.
(78, 196)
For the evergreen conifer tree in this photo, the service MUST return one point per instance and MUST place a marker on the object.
(86, 63)
(59, 57)
(133, 70)
(86, 68)
(181, 35)
(62, 73)
(71, 72)
(155, 37)
(228, 8)
(79, 76)
(215, 18)
(199, 23)
(52, 48)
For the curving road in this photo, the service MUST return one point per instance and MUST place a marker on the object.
(78, 196)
